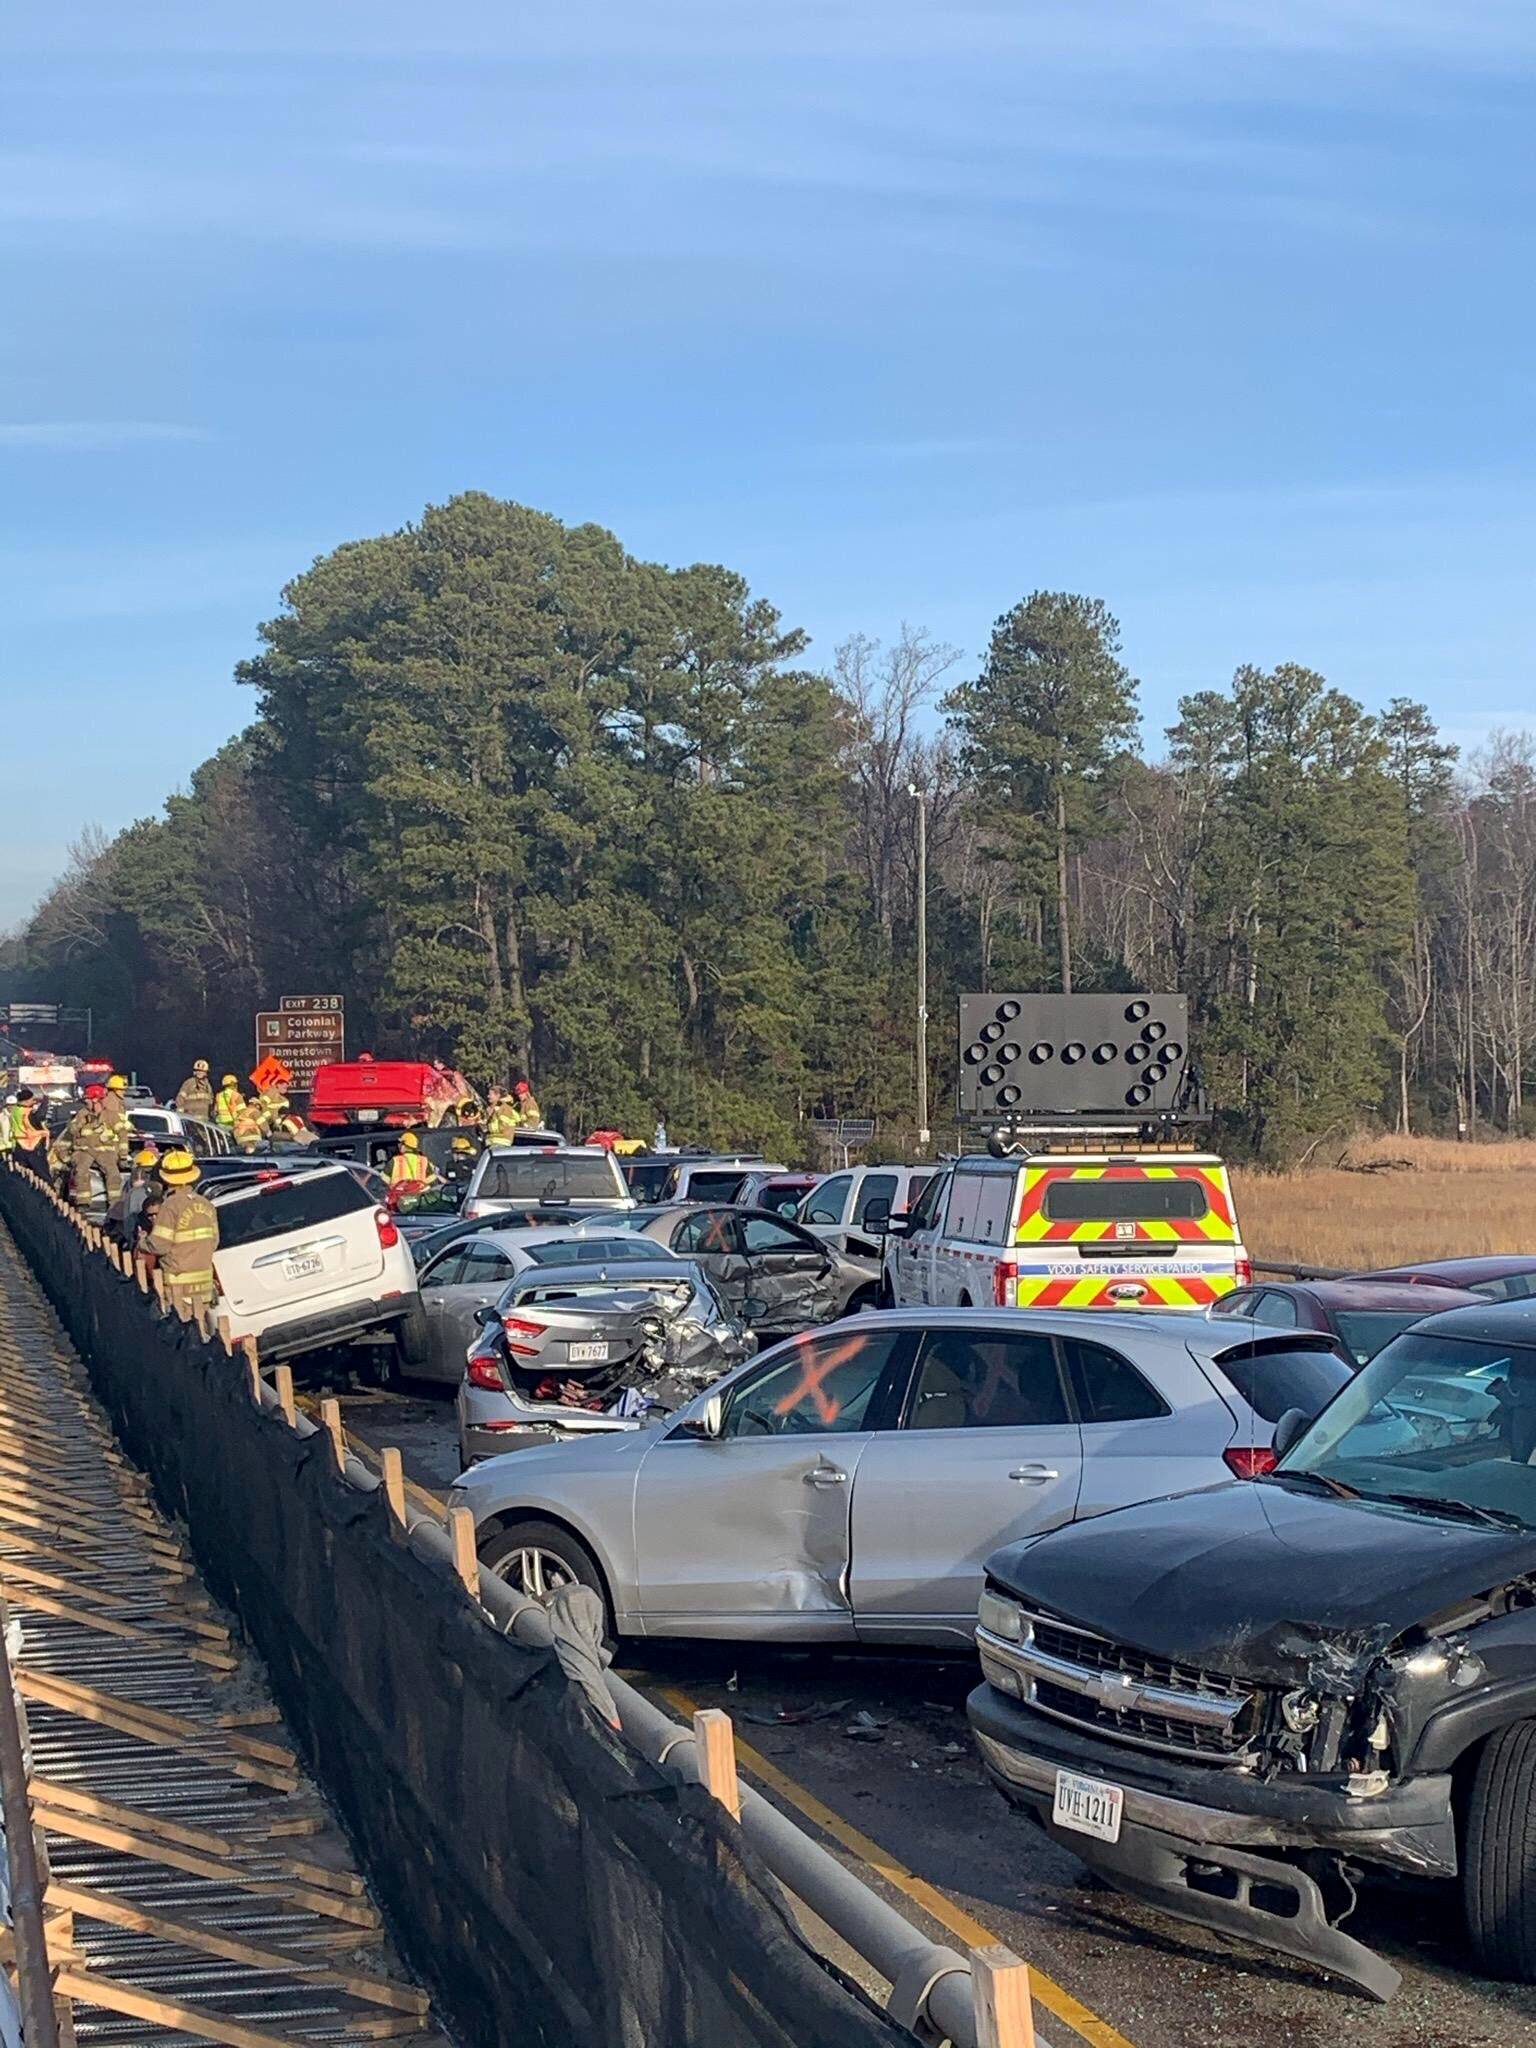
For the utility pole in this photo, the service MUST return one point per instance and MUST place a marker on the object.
(921, 798)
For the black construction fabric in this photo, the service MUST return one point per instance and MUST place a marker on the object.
(549, 1886)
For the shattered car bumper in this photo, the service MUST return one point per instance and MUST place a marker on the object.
(1225, 1848)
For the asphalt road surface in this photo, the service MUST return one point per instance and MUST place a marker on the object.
(871, 1752)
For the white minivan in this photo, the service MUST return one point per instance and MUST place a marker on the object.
(311, 1259)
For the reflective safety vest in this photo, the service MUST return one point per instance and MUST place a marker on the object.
(185, 1238)
(411, 1166)
(226, 1106)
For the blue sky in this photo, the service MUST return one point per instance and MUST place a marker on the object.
(1219, 309)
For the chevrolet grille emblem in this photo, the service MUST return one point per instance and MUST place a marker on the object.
(1113, 1689)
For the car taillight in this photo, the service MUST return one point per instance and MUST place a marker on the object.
(1249, 1461)
(482, 1370)
(384, 1223)
(1245, 1271)
(524, 1329)
(1005, 1280)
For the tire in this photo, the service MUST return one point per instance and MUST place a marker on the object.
(1499, 1855)
(411, 1341)
(563, 1559)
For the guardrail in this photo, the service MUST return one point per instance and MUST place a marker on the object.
(1302, 1272)
(28, 1941)
(177, 1405)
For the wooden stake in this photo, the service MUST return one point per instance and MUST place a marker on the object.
(282, 1379)
(141, 1271)
(393, 1476)
(226, 1334)
(1005, 2016)
(716, 1743)
(461, 1533)
(330, 1422)
(252, 1367)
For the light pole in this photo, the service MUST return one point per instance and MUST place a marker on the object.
(920, 796)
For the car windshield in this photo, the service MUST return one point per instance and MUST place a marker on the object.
(1274, 1377)
(284, 1205)
(622, 1292)
(1437, 1424)
(720, 1185)
(544, 1177)
(1363, 1332)
(594, 1251)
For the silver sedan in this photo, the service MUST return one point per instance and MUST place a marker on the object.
(851, 1483)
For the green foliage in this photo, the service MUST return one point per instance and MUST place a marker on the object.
(535, 805)
(1040, 730)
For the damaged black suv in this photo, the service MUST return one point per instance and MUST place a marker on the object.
(1232, 1703)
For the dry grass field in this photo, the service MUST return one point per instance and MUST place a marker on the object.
(1448, 1200)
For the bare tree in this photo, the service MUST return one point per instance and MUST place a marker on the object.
(885, 690)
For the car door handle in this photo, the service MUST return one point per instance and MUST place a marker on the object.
(826, 1475)
(1034, 1475)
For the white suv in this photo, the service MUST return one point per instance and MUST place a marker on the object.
(309, 1259)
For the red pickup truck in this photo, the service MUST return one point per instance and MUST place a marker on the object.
(387, 1092)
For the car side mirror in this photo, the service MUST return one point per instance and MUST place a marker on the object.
(752, 1307)
(484, 1317)
(877, 1215)
(709, 1421)
(1290, 1429)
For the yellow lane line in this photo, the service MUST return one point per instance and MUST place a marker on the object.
(1056, 1999)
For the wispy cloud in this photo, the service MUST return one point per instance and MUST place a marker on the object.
(93, 436)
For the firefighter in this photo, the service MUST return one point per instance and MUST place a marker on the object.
(141, 1182)
(248, 1128)
(287, 1124)
(195, 1095)
(269, 1106)
(462, 1154)
(88, 1143)
(411, 1165)
(7, 1126)
(529, 1116)
(115, 1110)
(467, 1114)
(29, 1120)
(228, 1102)
(502, 1119)
(185, 1236)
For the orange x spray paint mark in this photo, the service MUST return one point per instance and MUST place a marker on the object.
(810, 1385)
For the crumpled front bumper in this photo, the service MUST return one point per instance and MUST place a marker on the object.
(1224, 1848)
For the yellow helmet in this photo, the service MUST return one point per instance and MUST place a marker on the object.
(147, 1157)
(117, 1081)
(410, 1142)
(178, 1169)
(461, 1145)
(230, 1081)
